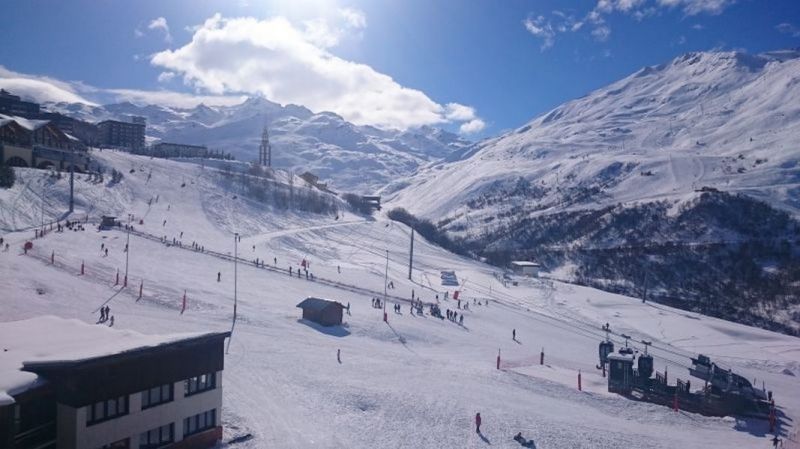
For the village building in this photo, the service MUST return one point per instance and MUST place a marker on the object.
(126, 135)
(313, 180)
(525, 268)
(67, 384)
(13, 105)
(39, 144)
(170, 150)
(322, 311)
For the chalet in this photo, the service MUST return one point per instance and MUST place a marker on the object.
(525, 268)
(40, 144)
(67, 384)
(322, 311)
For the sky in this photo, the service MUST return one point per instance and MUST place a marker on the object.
(477, 67)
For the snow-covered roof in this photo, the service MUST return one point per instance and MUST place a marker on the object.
(44, 340)
(30, 125)
(317, 304)
(524, 263)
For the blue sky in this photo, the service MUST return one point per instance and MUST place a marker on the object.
(478, 66)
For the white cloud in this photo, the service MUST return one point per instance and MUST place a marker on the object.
(165, 77)
(41, 88)
(355, 18)
(160, 23)
(694, 7)
(173, 99)
(698, 27)
(291, 64)
(548, 28)
(541, 29)
(601, 33)
(627, 5)
(472, 126)
(788, 28)
(45, 89)
(459, 112)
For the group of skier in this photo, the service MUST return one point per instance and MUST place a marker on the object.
(105, 315)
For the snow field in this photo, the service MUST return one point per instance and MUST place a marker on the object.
(414, 382)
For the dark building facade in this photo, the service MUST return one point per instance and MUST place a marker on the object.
(167, 150)
(118, 134)
(167, 395)
(13, 105)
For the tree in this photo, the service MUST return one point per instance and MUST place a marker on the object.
(7, 176)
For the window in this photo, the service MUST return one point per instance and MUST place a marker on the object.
(200, 422)
(199, 384)
(158, 437)
(157, 395)
(121, 444)
(105, 410)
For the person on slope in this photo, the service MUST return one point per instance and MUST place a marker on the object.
(478, 422)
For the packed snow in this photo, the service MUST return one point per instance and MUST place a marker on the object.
(414, 381)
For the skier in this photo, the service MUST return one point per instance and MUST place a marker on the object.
(338, 268)
(275, 260)
(514, 334)
(106, 252)
(219, 275)
(164, 224)
(775, 440)
(461, 320)
(339, 355)
(348, 307)
(478, 422)
(181, 235)
(111, 323)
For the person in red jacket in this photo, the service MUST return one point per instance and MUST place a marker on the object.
(478, 422)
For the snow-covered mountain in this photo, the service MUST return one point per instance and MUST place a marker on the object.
(349, 157)
(727, 120)
(680, 181)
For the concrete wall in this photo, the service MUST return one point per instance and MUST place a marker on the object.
(24, 153)
(73, 432)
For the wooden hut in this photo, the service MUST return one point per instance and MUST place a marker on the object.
(322, 311)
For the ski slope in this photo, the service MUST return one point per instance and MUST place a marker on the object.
(727, 120)
(413, 382)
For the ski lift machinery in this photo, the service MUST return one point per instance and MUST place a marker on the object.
(645, 363)
(605, 348)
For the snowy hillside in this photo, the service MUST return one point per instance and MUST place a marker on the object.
(412, 382)
(349, 157)
(727, 120)
(716, 121)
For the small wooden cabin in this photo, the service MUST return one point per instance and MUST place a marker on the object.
(322, 311)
